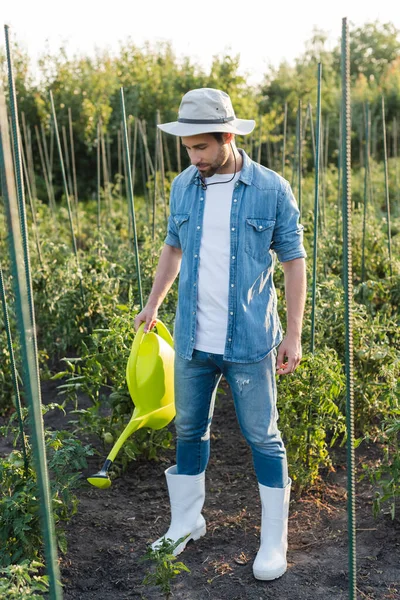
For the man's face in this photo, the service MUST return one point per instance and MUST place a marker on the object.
(206, 153)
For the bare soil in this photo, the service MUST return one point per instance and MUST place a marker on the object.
(110, 533)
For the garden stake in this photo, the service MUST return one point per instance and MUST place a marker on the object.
(167, 154)
(108, 150)
(315, 248)
(67, 165)
(131, 199)
(339, 165)
(27, 336)
(71, 139)
(284, 140)
(134, 154)
(17, 401)
(396, 165)
(295, 155)
(153, 229)
(389, 233)
(178, 154)
(49, 173)
(98, 177)
(43, 165)
(316, 211)
(348, 294)
(33, 210)
(162, 169)
(143, 168)
(28, 154)
(366, 170)
(259, 141)
(119, 151)
(106, 181)
(64, 178)
(312, 131)
(18, 172)
(300, 157)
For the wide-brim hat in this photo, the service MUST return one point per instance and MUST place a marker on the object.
(207, 110)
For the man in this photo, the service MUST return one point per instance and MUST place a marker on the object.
(227, 215)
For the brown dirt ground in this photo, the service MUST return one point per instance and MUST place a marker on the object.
(112, 529)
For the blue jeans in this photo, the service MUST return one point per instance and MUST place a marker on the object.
(253, 389)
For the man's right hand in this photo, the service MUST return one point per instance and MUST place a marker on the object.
(147, 315)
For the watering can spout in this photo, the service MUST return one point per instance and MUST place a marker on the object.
(150, 379)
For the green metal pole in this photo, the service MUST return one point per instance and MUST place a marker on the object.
(14, 375)
(316, 210)
(348, 295)
(366, 170)
(98, 177)
(27, 334)
(300, 159)
(131, 198)
(18, 170)
(389, 232)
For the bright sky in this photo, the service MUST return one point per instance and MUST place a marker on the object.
(262, 32)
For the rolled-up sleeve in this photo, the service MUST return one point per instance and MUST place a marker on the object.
(287, 239)
(172, 238)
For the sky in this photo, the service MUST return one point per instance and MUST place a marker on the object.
(263, 33)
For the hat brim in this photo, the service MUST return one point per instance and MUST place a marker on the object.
(238, 126)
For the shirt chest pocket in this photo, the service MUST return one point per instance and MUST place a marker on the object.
(182, 225)
(258, 237)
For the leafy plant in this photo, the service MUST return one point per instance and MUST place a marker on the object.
(166, 567)
(23, 580)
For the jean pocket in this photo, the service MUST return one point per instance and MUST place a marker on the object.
(182, 224)
(258, 237)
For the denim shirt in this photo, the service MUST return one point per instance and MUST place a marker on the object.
(264, 219)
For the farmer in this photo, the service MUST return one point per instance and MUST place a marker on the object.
(228, 214)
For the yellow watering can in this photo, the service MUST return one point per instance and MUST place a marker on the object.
(150, 379)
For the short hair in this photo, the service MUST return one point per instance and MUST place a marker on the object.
(219, 136)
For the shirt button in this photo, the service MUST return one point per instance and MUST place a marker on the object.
(232, 285)
(191, 339)
(233, 229)
(194, 312)
(231, 313)
(233, 257)
(259, 227)
(201, 199)
(235, 200)
(194, 284)
(195, 255)
(230, 339)
(198, 227)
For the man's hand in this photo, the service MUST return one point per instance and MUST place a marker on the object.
(147, 315)
(289, 350)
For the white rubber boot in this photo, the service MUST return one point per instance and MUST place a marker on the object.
(186, 494)
(270, 562)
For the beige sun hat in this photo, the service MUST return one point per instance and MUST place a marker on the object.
(207, 110)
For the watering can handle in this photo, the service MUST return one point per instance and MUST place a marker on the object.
(164, 334)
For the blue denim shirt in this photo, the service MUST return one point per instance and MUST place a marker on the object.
(264, 219)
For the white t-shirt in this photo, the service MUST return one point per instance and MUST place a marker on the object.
(214, 264)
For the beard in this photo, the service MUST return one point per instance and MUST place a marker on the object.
(212, 168)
